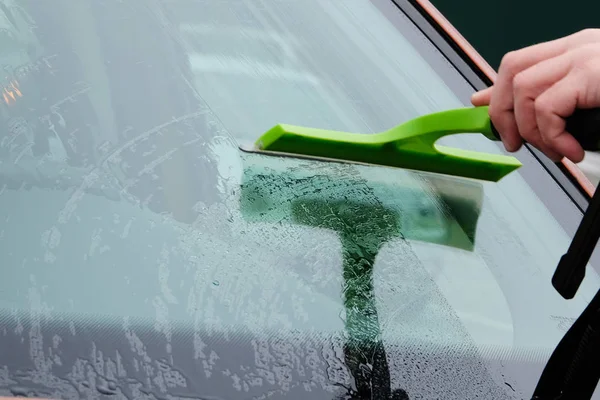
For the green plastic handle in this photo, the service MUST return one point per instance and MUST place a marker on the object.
(409, 145)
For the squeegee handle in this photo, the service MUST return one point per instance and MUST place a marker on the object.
(583, 125)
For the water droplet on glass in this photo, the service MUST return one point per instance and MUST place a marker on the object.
(105, 389)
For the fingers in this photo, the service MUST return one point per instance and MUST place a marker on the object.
(482, 98)
(517, 61)
(552, 106)
(502, 100)
(527, 86)
(538, 87)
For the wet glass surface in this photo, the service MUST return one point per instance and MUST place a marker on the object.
(144, 256)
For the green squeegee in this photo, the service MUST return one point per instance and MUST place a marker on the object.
(411, 145)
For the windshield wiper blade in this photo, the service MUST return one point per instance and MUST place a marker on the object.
(571, 269)
(573, 370)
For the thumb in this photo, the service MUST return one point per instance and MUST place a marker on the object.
(482, 98)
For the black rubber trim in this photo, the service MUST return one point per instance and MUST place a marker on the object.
(477, 78)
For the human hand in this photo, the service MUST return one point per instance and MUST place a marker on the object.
(538, 87)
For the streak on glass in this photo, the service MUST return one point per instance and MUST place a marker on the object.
(364, 222)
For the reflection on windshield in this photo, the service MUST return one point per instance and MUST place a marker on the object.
(145, 256)
(65, 132)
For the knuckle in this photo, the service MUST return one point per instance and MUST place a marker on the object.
(588, 33)
(583, 37)
(520, 82)
(549, 138)
(541, 106)
(510, 62)
(531, 135)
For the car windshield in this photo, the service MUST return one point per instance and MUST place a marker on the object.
(143, 255)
